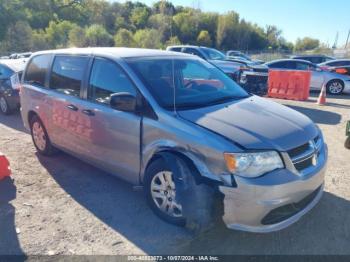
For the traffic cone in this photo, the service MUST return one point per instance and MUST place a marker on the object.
(322, 97)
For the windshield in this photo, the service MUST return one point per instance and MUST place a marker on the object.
(195, 83)
(213, 54)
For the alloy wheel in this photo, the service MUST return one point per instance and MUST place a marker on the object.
(163, 193)
(39, 136)
(335, 88)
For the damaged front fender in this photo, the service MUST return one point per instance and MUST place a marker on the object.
(197, 199)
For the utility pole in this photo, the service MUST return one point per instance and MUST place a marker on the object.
(347, 40)
(336, 41)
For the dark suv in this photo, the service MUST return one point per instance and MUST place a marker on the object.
(10, 73)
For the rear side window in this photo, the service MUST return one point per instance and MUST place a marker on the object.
(108, 78)
(67, 74)
(36, 70)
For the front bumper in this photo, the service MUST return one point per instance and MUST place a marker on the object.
(248, 206)
(254, 82)
(347, 86)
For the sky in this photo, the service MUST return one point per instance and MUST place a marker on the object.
(320, 19)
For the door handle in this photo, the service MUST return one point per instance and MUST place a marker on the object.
(88, 112)
(72, 107)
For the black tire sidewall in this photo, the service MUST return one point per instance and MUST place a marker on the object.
(347, 142)
(154, 168)
(333, 81)
(8, 107)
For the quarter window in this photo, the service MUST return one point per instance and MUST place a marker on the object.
(67, 74)
(108, 78)
(36, 70)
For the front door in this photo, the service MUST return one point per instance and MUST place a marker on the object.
(114, 141)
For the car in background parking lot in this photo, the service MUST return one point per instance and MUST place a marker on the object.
(315, 59)
(253, 77)
(10, 75)
(213, 56)
(240, 55)
(335, 83)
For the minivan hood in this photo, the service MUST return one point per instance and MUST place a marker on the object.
(255, 123)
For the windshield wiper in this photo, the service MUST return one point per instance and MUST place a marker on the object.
(225, 99)
(210, 103)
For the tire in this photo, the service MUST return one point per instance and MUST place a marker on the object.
(154, 172)
(335, 87)
(4, 106)
(347, 142)
(40, 137)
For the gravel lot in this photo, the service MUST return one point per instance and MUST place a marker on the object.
(61, 205)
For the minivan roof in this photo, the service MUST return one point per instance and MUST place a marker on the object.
(120, 52)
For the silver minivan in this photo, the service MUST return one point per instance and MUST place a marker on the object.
(180, 128)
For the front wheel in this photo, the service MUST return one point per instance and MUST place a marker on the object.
(160, 193)
(335, 87)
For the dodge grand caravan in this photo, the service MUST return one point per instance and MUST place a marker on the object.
(181, 129)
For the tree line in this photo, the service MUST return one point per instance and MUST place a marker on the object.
(48, 24)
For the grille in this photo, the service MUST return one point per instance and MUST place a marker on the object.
(255, 79)
(305, 156)
(284, 212)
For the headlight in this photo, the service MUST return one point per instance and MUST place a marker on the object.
(253, 164)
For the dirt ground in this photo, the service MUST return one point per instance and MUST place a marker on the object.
(61, 205)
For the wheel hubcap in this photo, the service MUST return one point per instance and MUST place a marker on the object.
(3, 104)
(335, 88)
(39, 136)
(163, 193)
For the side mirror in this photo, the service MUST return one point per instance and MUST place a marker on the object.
(123, 102)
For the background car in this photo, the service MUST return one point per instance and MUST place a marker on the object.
(241, 55)
(20, 55)
(253, 77)
(335, 83)
(213, 56)
(316, 59)
(10, 73)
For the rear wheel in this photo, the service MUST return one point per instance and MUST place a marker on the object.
(161, 193)
(4, 106)
(335, 87)
(40, 137)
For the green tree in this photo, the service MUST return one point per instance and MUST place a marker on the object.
(19, 37)
(139, 17)
(97, 35)
(58, 33)
(147, 38)
(124, 38)
(40, 41)
(174, 40)
(204, 38)
(77, 37)
(186, 26)
(306, 43)
(226, 32)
